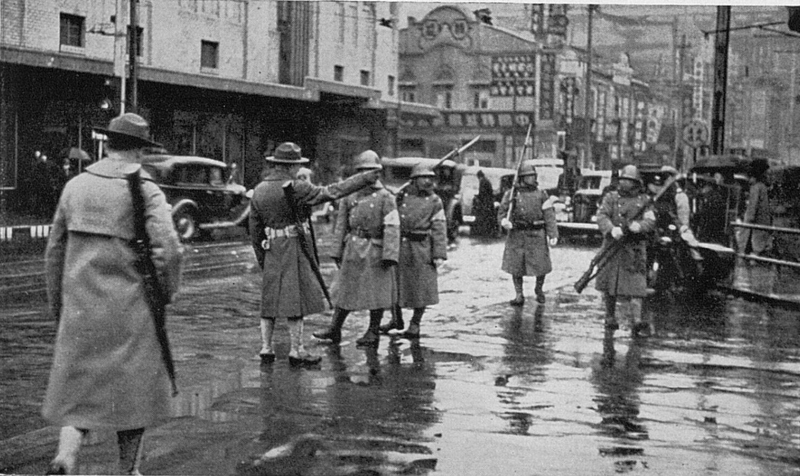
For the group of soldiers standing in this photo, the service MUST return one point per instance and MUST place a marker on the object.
(387, 249)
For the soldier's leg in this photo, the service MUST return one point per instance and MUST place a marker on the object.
(131, 443)
(412, 331)
(639, 327)
(371, 337)
(396, 322)
(297, 353)
(611, 311)
(267, 354)
(69, 443)
(334, 332)
(519, 299)
(539, 291)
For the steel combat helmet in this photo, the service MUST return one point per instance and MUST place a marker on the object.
(368, 160)
(630, 172)
(527, 168)
(422, 170)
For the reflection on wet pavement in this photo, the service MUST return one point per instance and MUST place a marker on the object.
(488, 389)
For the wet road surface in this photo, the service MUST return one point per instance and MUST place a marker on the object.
(488, 389)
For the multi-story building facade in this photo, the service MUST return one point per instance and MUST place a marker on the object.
(226, 79)
(493, 81)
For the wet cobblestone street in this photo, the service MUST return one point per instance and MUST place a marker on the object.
(488, 389)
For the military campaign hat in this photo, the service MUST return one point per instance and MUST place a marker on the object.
(130, 126)
(287, 153)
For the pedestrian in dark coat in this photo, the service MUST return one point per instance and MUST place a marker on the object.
(107, 368)
(423, 248)
(483, 206)
(624, 278)
(531, 228)
(290, 288)
(757, 211)
(367, 245)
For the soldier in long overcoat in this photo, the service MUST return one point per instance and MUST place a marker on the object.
(423, 248)
(624, 278)
(367, 245)
(290, 287)
(107, 368)
(531, 228)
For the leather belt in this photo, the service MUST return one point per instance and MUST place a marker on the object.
(415, 235)
(286, 232)
(529, 226)
(366, 234)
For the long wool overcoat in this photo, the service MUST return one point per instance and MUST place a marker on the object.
(107, 369)
(423, 238)
(367, 235)
(626, 272)
(289, 287)
(757, 213)
(527, 252)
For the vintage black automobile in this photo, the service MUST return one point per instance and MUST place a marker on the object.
(203, 193)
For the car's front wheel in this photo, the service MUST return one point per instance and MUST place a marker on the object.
(185, 224)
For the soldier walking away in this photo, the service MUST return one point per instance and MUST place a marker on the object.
(290, 287)
(624, 278)
(531, 228)
(366, 247)
(423, 248)
(107, 369)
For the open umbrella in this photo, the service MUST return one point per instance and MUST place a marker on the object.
(78, 154)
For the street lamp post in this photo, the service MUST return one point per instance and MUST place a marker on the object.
(587, 91)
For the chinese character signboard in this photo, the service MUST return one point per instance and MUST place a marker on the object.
(547, 93)
(557, 21)
(513, 75)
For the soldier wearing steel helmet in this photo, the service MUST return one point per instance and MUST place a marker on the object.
(624, 279)
(423, 248)
(531, 231)
(289, 288)
(366, 247)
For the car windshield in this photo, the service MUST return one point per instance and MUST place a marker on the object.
(590, 182)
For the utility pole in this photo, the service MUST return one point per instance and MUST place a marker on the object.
(587, 89)
(120, 37)
(720, 79)
(133, 43)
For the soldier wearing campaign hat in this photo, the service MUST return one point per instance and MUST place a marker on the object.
(289, 286)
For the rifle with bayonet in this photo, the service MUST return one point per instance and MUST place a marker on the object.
(611, 248)
(154, 293)
(288, 192)
(515, 183)
(453, 153)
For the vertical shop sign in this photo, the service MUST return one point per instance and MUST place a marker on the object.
(547, 86)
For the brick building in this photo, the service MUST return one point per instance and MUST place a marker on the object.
(226, 79)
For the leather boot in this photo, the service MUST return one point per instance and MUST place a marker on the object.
(412, 332)
(639, 328)
(519, 300)
(611, 312)
(298, 357)
(539, 292)
(69, 444)
(267, 354)
(130, 444)
(395, 323)
(334, 332)
(371, 338)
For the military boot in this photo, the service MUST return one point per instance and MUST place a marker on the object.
(412, 332)
(371, 338)
(611, 312)
(395, 323)
(519, 299)
(538, 290)
(334, 332)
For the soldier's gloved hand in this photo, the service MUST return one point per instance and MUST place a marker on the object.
(553, 241)
(616, 233)
(635, 227)
(506, 224)
(388, 263)
(437, 262)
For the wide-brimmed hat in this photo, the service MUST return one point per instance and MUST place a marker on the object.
(132, 127)
(288, 153)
